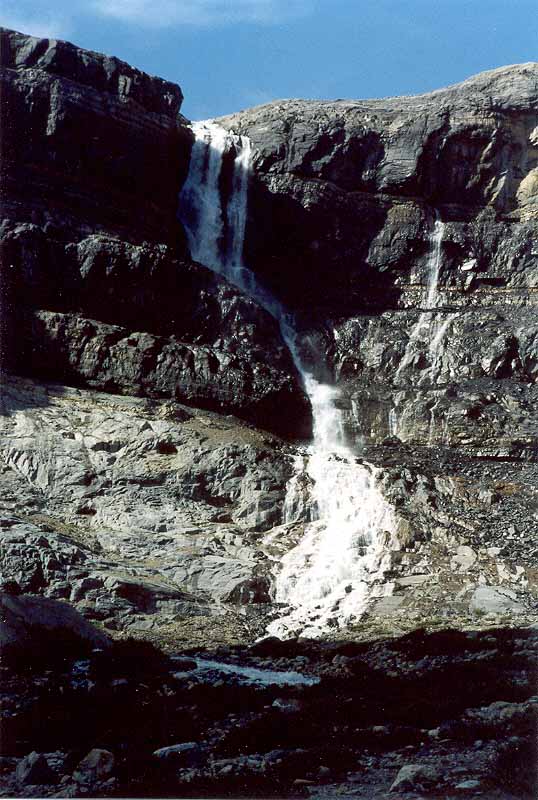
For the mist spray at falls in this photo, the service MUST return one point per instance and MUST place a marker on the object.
(330, 576)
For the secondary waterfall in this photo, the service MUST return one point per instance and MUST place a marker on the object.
(423, 330)
(429, 331)
(328, 578)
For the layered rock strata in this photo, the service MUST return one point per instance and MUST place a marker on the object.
(88, 143)
(346, 203)
(96, 287)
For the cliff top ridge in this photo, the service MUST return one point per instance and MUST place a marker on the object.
(509, 88)
(105, 73)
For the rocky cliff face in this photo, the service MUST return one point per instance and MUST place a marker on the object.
(401, 233)
(88, 143)
(468, 153)
(135, 487)
(344, 204)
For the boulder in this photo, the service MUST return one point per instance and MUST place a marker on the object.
(252, 590)
(495, 600)
(186, 754)
(416, 778)
(34, 769)
(26, 619)
(97, 766)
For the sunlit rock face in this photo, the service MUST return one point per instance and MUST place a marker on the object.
(403, 232)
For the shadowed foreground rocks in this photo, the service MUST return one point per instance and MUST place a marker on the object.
(26, 623)
(445, 715)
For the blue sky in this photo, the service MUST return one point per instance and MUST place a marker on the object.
(231, 54)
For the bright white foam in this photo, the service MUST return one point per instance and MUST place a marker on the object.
(200, 196)
(330, 577)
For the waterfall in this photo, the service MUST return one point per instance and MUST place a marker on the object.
(430, 330)
(200, 197)
(216, 232)
(329, 577)
(422, 330)
(432, 297)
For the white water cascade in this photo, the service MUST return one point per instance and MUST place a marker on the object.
(329, 578)
(326, 580)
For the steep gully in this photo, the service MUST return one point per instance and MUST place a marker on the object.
(341, 561)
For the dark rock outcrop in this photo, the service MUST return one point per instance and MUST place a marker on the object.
(132, 319)
(27, 622)
(89, 143)
(72, 350)
(94, 153)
